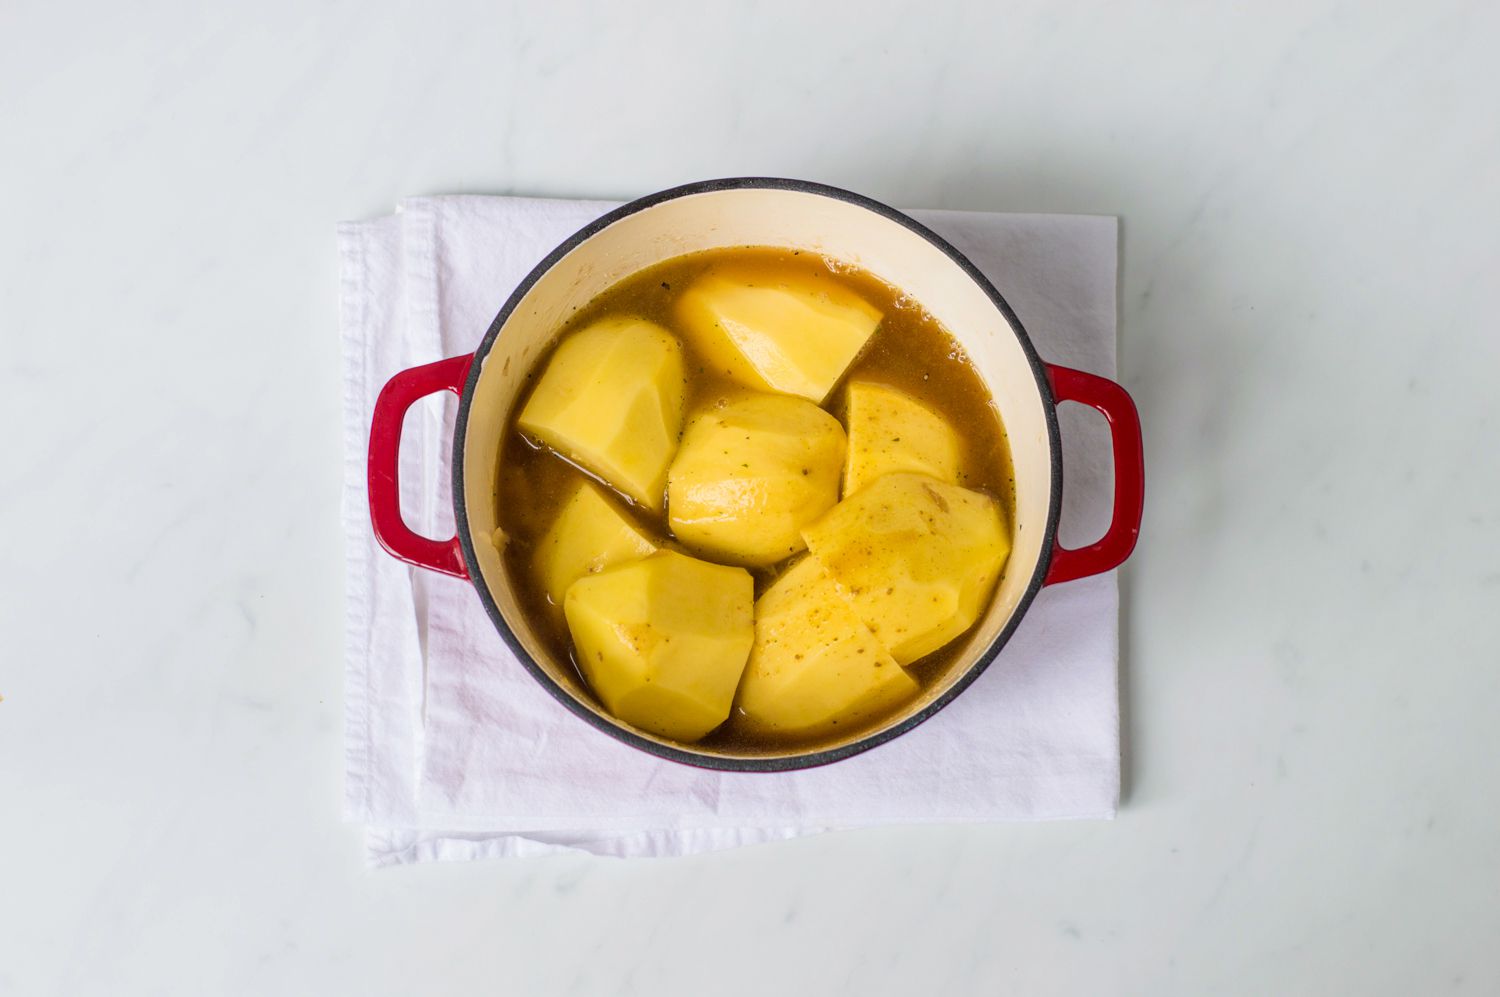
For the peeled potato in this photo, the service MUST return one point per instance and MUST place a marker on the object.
(751, 472)
(663, 640)
(916, 557)
(776, 331)
(588, 535)
(815, 666)
(611, 399)
(891, 431)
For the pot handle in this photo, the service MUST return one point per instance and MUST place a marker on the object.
(1114, 403)
(384, 482)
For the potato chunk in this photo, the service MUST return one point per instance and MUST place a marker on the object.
(663, 640)
(815, 666)
(775, 331)
(752, 471)
(588, 535)
(611, 399)
(891, 431)
(916, 558)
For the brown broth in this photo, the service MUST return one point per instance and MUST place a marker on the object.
(910, 350)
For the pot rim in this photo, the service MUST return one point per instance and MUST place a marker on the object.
(815, 757)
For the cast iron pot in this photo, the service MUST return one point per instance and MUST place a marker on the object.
(758, 212)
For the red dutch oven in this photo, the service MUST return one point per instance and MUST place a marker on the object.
(758, 212)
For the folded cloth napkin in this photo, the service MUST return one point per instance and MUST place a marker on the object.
(453, 751)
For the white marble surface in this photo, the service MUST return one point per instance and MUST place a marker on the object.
(1311, 265)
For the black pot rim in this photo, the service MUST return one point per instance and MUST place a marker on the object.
(780, 763)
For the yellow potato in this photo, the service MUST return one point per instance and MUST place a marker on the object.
(611, 400)
(751, 472)
(917, 558)
(815, 666)
(776, 331)
(588, 535)
(663, 640)
(891, 431)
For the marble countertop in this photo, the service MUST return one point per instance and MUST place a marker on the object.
(1310, 208)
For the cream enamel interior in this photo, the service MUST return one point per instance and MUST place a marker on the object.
(765, 217)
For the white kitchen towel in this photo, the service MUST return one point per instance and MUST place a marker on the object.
(452, 749)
